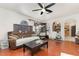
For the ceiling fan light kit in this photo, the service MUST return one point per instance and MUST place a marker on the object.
(44, 8)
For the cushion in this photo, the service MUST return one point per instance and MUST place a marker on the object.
(12, 37)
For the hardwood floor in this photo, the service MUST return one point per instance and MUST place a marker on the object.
(70, 48)
(19, 52)
(54, 49)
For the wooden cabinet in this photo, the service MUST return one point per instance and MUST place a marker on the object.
(44, 27)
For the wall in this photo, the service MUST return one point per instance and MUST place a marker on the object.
(62, 20)
(7, 19)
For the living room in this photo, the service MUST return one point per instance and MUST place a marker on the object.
(30, 22)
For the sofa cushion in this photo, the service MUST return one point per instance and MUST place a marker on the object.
(13, 36)
(25, 40)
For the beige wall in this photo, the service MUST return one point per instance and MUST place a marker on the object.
(62, 20)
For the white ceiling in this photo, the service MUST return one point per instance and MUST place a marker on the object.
(59, 9)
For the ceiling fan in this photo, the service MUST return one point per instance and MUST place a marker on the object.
(44, 8)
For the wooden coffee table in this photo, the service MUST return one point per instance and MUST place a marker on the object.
(34, 47)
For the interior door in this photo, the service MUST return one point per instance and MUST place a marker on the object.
(73, 30)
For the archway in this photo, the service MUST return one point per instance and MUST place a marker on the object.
(69, 29)
(56, 26)
(56, 29)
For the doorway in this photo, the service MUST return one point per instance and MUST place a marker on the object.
(69, 30)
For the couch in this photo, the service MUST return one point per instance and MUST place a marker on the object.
(18, 39)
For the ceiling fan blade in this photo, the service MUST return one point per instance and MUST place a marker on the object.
(40, 5)
(49, 10)
(50, 5)
(36, 9)
(41, 13)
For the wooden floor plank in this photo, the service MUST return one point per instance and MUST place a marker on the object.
(54, 49)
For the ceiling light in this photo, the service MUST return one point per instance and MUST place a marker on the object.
(43, 10)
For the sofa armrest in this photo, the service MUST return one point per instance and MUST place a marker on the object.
(12, 43)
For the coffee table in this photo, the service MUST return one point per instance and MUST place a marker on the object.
(34, 46)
